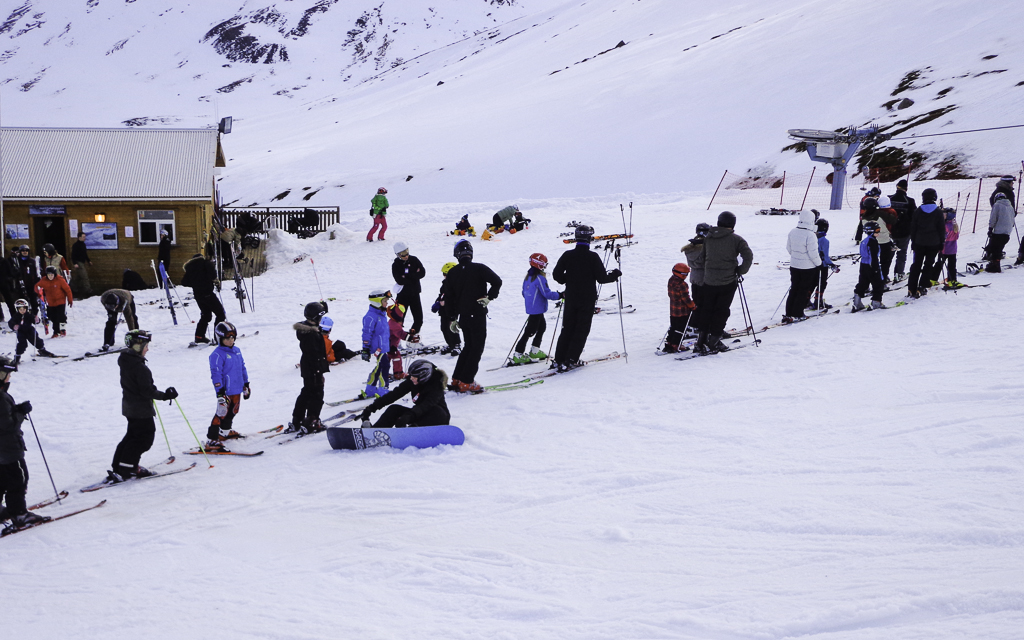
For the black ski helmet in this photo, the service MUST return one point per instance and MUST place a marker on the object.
(225, 330)
(422, 370)
(50, 270)
(874, 192)
(463, 249)
(822, 225)
(7, 364)
(137, 337)
(871, 226)
(929, 195)
(313, 311)
(702, 230)
(727, 219)
(49, 249)
(584, 233)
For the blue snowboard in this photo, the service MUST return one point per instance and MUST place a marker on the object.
(419, 437)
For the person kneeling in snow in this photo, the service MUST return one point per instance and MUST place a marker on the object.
(427, 384)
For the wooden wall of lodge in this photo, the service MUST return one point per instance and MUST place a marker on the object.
(192, 222)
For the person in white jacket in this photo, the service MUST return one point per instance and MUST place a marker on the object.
(804, 261)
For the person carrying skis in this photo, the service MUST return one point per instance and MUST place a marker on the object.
(230, 383)
(804, 266)
(376, 339)
(312, 367)
(870, 268)
(80, 262)
(396, 333)
(137, 395)
(453, 342)
(904, 206)
(378, 211)
(680, 308)
(1000, 224)
(13, 469)
(579, 270)
(26, 276)
(927, 235)
(427, 385)
(56, 293)
(469, 288)
(536, 294)
(408, 271)
(722, 276)
(826, 266)
(201, 275)
(694, 251)
(23, 323)
(117, 301)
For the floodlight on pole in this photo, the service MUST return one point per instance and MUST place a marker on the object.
(836, 148)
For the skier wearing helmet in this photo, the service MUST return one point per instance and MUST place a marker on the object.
(680, 307)
(453, 343)
(468, 289)
(378, 211)
(536, 293)
(312, 366)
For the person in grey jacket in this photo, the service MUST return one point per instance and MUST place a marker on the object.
(694, 251)
(804, 261)
(927, 235)
(721, 272)
(13, 470)
(1000, 224)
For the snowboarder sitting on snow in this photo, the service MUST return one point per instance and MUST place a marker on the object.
(23, 322)
(680, 307)
(137, 395)
(870, 268)
(312, 366)
(230, 383)
(453, 343)
(13, 470)
(117, 301)
(396, 316)
(376, 339)
(427, 384)
(54, 290)
(536, 294)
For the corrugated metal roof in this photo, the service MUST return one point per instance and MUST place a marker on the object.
(115, 164)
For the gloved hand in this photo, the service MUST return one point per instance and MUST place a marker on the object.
(222, 393)
(402, 421)
(246, 391)
(739, 279)
(436, 307)
(454, 326)
(561, 295)
(365, 355)
(222, 406)
(171, 393)
(35, 320)
(365, 415)
(24, 407)
(371, 212)
(615, 274)
(834, 268)
(484, 301)
(324, 302)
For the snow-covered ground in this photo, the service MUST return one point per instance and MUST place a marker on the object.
(856, 476)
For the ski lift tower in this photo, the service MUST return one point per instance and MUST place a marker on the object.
(836, 149)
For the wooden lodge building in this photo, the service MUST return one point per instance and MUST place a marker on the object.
(120, 186)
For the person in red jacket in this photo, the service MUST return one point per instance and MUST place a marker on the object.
(680, 307)
(56, 293)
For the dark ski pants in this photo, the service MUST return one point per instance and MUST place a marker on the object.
(136, 441)
(717, 305)
(577, 317)
(451, 338)
(901, 245)
(821, 283)
(58, 315)
(949, 261)
(431, 417)
(108, 329)
(412, 306)
(341, 352)
(310, 400)
(887, 251)
(996, 244)
(474, 330)
(870, 277)
(218, 423)
(922, 267)
(535, 327)
(676, 330)
(9, 298)
(209, 307)
(14, 485)
(697, 293)
(801, 284)
(27, 335)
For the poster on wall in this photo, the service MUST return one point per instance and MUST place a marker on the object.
(100, 235)
(73, 228)
(47, 210)
(16, 231)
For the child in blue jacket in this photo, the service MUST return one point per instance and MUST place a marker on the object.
(537, 294)
(376, 343)
(230, 382)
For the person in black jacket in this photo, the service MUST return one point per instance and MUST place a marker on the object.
(117, 301)
(201, 275)
(13, 470)
(900, 232)
(579, 270)
(468, 289)
(427, 384)
(26, 275)
(927, 236)
(312, 366)
(23, 323)
(163, 255)
(80, 286)
(408, 271)
(137, 395)
(7, 286)
(453, 341)
(1005, 187)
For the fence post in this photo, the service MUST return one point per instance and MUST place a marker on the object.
(977, 204)
(808, 188)
(717, 188)
(783, 194)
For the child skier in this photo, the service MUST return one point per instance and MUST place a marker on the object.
(56, 293)
(23, 322)
(680, 308)
(13, 470)
(312, 366)
(536, 294)
(818, 303)
(337, 352)
(949, 252)
(230, 383)
(375, 343)
(870, 268)
(396, 316)
(453, 342)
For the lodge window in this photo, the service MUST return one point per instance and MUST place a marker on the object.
(152, 222)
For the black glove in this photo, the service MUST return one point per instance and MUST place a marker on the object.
(223, 393)
(371, 212)
(170, 393)
(403, 421)
(365, 415)
(615, 274)
(324, 302)
(365, 355)
(24, 407)
(561, 295)
(246, 391)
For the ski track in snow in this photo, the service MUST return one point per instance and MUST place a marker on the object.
(857, 476)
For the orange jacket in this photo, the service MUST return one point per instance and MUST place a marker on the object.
(55, 291)
(330, 349)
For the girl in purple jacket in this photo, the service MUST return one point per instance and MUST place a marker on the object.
(537, 294)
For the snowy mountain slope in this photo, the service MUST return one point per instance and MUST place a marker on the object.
(526, 99)
(856, 476)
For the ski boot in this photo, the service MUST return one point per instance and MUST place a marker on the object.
(715, 345)
(787, 320)
(858, 304)
(877, 304)
(214, 446)
(701, 346)
(537, 354)
(25, 520)
(143, 472)
(520, 358)
(229, 434)
(413, 337)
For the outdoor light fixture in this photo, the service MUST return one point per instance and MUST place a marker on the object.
(100, 217)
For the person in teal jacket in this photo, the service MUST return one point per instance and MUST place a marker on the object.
(379, 212)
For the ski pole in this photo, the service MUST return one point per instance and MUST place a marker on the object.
(618, 284)
(743, 303)
(519, 335)
(630, 240)
(554, 332)
(780, 303)
(182, 303)
(45, 463)
(170, 456)
(622, 210)
(317, 279)
(201, 447)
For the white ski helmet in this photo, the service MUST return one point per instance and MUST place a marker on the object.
(400, 247)
(378, 296)
(884, 202)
